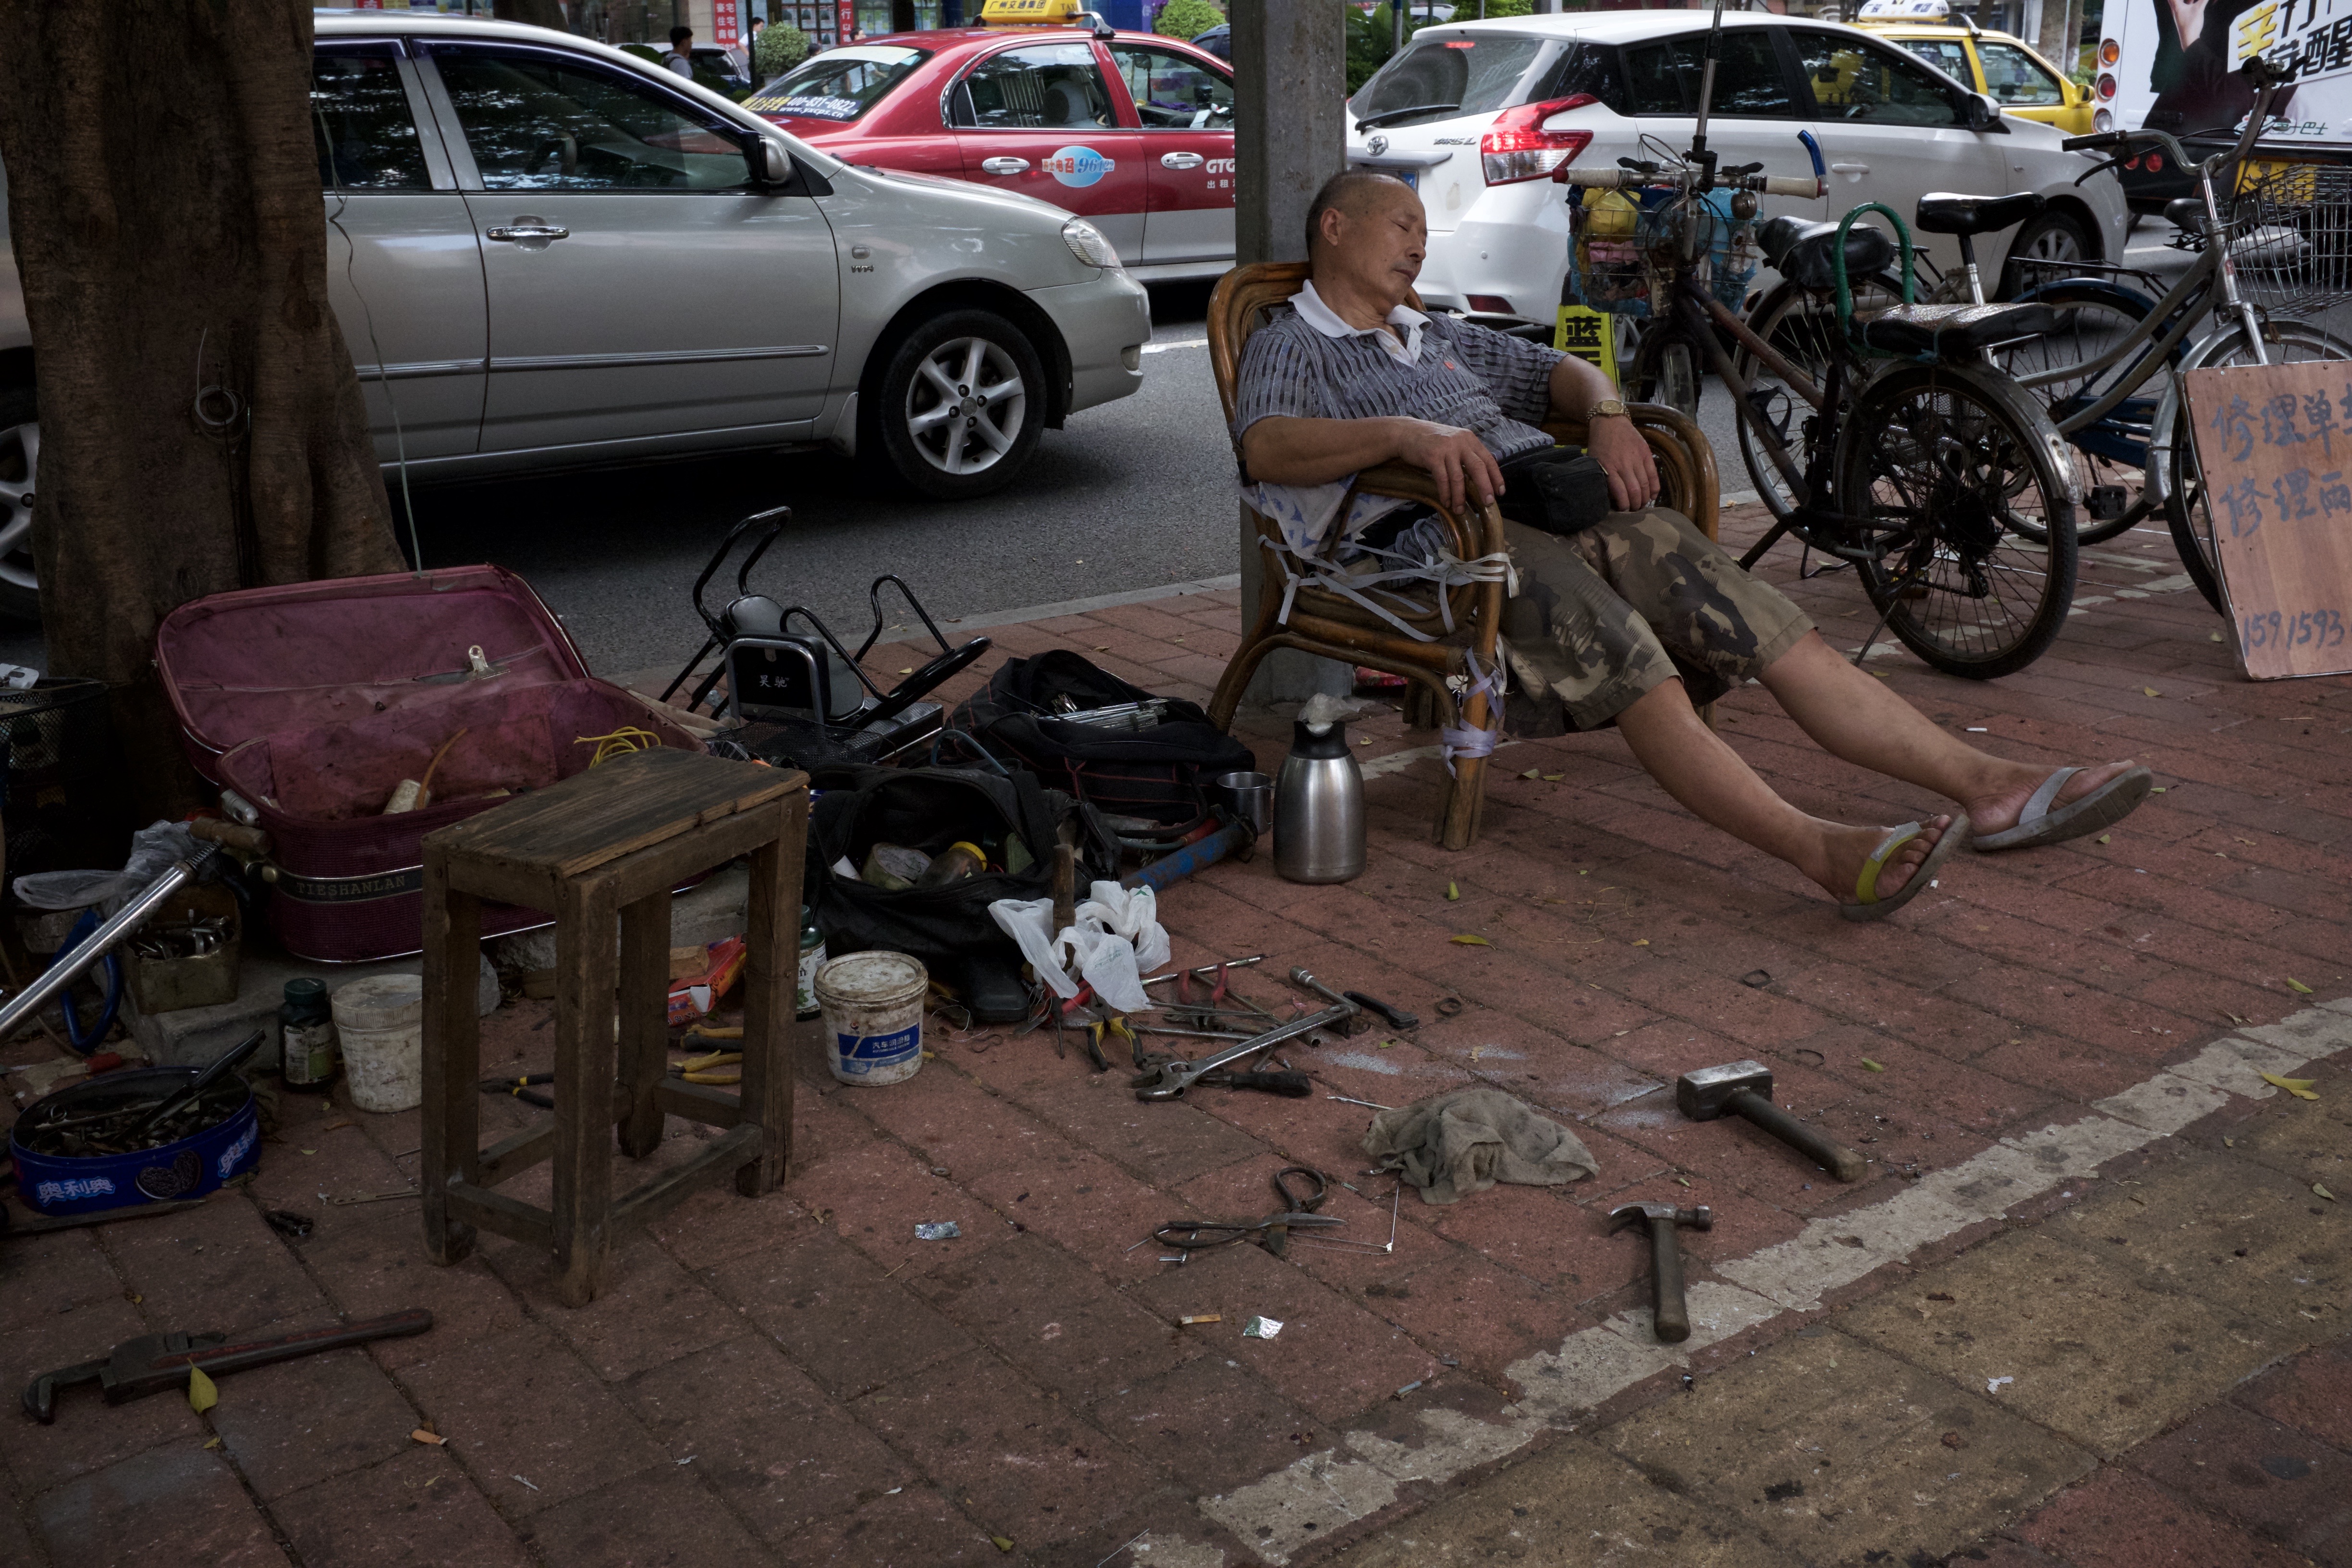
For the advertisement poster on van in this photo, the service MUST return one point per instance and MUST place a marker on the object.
(2172, 65)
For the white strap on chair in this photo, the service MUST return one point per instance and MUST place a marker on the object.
(1460, 740)
(1448, 572)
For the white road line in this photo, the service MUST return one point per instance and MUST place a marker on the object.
(1305, 1501)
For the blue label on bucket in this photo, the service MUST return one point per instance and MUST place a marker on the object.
(864, 1053)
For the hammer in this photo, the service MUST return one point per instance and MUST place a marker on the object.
(1745, 1089)
(1672, 1313)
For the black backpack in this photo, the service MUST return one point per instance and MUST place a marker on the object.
(1158, 775)
(947, 928)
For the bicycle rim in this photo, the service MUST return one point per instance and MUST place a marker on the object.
(1802, 328)
(1955, 476)
(2113, 453)
(2185, 511)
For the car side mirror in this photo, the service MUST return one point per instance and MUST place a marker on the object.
(1979, 112)
(770, 164)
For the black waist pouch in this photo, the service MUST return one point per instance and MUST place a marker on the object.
(1559, 490)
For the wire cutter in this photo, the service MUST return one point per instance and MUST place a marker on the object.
(1272, 1232)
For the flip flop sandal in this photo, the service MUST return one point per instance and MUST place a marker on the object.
(2103, 807)
(1867, 904)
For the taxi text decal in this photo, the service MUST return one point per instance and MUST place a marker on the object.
(1078, 165)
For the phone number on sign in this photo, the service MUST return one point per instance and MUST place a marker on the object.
(2305, 628)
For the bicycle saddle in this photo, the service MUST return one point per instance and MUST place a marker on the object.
(1942, 212)
(1804, 252)
(1954, 331)
(2185, 213)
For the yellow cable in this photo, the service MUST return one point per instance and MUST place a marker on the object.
(627, 739)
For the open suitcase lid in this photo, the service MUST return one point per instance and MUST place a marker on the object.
(259, 660)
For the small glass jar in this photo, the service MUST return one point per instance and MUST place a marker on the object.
(811, 960)
(308, 1052)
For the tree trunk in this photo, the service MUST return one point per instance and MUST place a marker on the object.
(537, 13)
(202, 428)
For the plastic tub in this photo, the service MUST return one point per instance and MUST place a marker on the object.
(379, 1022)
(873, 1007)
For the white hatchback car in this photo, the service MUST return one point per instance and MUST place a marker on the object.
(1478, 115)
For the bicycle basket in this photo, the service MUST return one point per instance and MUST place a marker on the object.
(2291, 240)
(1622, 257)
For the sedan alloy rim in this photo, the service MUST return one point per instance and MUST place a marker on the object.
(20, 461)
(965, 405)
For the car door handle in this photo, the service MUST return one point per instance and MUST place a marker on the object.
(1849, 168)
(1004, 166)
(530, 230)
(1182, 160)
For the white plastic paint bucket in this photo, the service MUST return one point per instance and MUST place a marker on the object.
(873, 1006)
(381, 1023)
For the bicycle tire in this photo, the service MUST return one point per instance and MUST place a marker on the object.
(1950, 456)
(2171, 460)
(1805, 346)
(2115, 448)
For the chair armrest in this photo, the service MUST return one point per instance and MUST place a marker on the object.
(1407, 483)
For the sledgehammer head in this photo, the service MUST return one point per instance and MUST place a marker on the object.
(1705, 1094)
(1699, 1219)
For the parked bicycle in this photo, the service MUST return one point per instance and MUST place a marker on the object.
(1899, 449)
(2271, 245)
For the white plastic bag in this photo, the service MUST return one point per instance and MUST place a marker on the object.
(1116, 940)
(152, 850)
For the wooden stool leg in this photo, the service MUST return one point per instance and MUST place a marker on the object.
(770, 967)
(452, 1119)
(645, 1030)
(584, 1070)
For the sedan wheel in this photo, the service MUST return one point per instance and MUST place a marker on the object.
(20, 460)
(2055, 241)
(962, 403)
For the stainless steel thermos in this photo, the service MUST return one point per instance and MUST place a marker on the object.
(1318, 807)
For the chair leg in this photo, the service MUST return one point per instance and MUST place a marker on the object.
(1424, 709)
(452, 1119)
(644, 1033)
(1465, 803)
(1255, 645)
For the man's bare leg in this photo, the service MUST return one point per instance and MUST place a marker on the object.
(1852, 715)
(1694, 765)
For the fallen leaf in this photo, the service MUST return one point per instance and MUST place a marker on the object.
(1001, 1542)
(215, 1443)
(2150, 691)
(1384, 1045)
(2323, 1192)
(2298, 1087)
(2107, 838)
(2214, 637)
(1873, 1066)
(1532, 773)
(909, 670)
(1642, 941)
(1685, 1181)
(2297, 985)
(309, 1150)
(2158, 789)
(1453, 891)
(1467, 940)
(202, 1394)
(1554, 778)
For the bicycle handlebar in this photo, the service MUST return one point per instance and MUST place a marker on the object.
(1807, 188)
(2104, 139)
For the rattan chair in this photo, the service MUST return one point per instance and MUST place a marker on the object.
(1325, 623)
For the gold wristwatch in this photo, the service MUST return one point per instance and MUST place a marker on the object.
(1608, 408)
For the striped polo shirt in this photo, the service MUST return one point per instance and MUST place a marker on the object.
(1307, 364)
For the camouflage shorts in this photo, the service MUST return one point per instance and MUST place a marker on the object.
(1640, 599)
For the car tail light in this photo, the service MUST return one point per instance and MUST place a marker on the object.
(1517, 147)
(2156, 163)
(1491, 305)
(2102, 120)
(2110, 51)
(2107, 88)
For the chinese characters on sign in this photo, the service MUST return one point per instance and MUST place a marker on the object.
(1586, 333)
(2275, 446)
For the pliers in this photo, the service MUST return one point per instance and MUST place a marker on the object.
(1273, 1233)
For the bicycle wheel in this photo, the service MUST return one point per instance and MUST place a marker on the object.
(1956, 478)
(1801, 327)
(2172, 456)
(2111, 455)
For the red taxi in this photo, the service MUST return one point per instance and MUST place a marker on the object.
(1132, 131)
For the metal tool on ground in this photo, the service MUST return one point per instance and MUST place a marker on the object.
(1235, 839)
(1397, 1017)
(220, 1068)
(1355, 1023)
(1670, 1312)
(1292, 1085)
(52, 981)
(1169, 1080)
(153, 1363)
(1206, 970)
(1273, 1233)
(1744, 1090)
(523, 1086)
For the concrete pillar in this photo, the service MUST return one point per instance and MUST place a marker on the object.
(1290, 128)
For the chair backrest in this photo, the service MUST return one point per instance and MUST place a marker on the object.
(1244, 301)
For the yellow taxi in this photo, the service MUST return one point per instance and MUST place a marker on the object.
(2003, 68)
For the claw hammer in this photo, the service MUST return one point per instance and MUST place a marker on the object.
(1744, 1090)
(1670, 1312)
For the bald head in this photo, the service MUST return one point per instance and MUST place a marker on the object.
(1351, 193)
(1366, 237)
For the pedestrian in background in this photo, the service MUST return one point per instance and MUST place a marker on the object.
(680, 57)
(751, 53)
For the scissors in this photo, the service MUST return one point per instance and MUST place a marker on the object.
(1272, 1232)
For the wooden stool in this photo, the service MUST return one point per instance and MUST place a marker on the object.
(610, 842)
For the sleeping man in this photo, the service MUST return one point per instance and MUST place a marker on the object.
(1625, 612)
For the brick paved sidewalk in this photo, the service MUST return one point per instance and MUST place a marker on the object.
(800, 1381)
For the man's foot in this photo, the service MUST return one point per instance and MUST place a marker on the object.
(1846, 850)
(2010, 815)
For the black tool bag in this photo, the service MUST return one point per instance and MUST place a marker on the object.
(947, 928)
(1158, 775)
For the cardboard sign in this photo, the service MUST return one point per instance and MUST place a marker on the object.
(2275, 444)
(1589, 335)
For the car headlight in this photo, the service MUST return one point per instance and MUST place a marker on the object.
(1087, 243)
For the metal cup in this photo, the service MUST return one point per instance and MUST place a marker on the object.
(1248, 797)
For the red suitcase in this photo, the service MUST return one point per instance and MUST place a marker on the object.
(312, 702)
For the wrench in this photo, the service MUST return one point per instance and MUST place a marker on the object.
(1169, 1080)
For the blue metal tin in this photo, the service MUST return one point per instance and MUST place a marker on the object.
(187, 1169)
